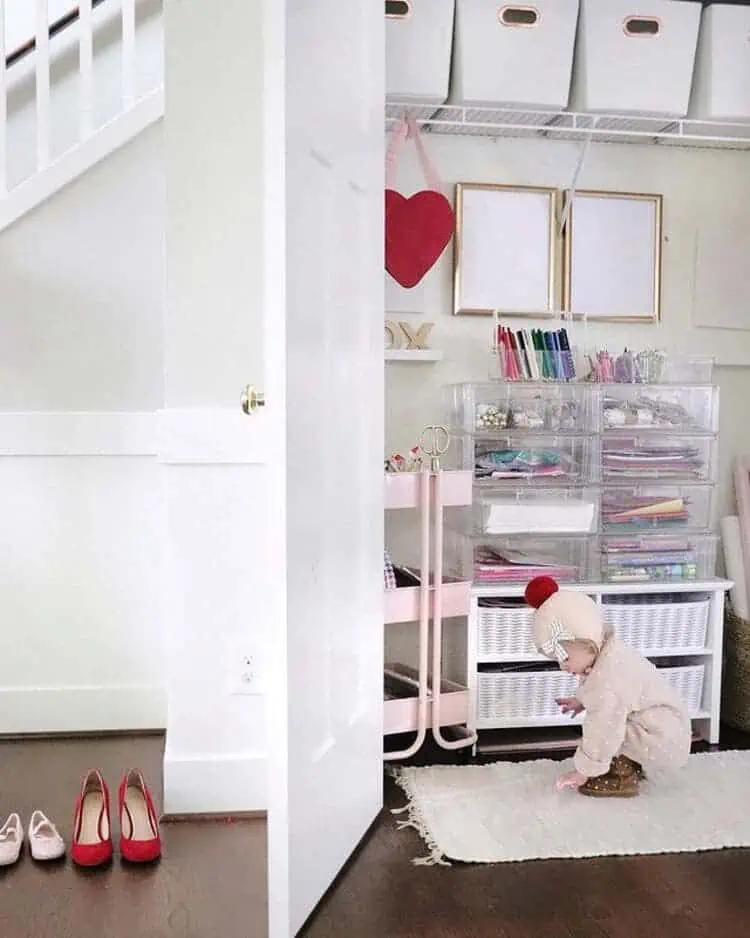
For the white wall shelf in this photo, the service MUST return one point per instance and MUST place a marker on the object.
(413, 355)
(502, 122)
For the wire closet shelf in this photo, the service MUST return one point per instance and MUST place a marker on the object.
(569, 125)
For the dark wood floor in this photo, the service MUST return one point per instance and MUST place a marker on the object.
(211, 882)
(381, 895)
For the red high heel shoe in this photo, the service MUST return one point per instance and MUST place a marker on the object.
(139, 827)
(92, 837)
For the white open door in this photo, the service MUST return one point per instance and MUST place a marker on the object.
(324, 248)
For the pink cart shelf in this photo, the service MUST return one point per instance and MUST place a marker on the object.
(402, 489)
(402, 605)
(410, 705)
(401, 714)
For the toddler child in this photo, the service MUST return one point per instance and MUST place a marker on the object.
(634, 719)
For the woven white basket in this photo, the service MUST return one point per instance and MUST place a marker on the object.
(530, 695)
(660, 626)
(505, 633)
(688, 682)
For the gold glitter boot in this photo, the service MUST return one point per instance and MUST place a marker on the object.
(623, 765)
(622, 780)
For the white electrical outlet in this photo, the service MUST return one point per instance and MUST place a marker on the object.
(245, 671)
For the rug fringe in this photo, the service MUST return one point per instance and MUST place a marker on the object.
(415, 820)
(431, 860)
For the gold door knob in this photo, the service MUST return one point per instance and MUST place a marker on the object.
(252, 400)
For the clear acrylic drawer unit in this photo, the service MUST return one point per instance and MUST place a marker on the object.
(653, 407)
(649, 366)
(657, 457)
(657, 558)
(516, 559)
(493, 406)
(534, 510)
(526, 696)
(519, 458)
(656, 508)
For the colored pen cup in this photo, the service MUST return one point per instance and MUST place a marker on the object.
(521, 364)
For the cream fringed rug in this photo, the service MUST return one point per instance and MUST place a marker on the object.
(506, 812)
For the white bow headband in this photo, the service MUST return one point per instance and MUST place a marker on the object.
(553, 647)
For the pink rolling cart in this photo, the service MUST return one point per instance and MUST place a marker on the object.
(422, 699)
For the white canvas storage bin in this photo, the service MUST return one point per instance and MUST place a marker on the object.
(418, 43)
(516, 55)
(635, 59)
(721, 85)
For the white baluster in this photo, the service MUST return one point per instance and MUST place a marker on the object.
(3, 107)
(86, 68)
(42, 84)
(128, 53)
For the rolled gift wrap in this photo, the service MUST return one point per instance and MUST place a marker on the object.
(733, 560)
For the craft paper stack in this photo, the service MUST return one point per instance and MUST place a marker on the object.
(628, 458)
(634, 512)
(644, 560)
(542, 515)
(505, 462)
(511, 566)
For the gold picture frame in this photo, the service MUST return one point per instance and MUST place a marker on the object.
(612, 256)
(505, 250)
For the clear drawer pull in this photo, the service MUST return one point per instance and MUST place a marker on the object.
(643, 26)
(519, 16)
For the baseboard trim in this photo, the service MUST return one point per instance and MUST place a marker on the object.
(214, 784)
(214, 816)
(39, 711)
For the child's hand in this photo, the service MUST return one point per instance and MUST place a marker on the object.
(570, 780)
(570, 705)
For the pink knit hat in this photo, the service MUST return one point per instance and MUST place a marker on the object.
(562, 615)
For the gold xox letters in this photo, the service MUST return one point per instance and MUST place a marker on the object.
(397, 332)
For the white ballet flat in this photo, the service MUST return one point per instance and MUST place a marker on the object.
(11, 840)
(44, 838)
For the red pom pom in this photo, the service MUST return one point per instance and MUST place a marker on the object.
(539, 590)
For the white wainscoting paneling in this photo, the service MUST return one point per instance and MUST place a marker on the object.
(214, 784)
(82, 560)
(78, 434)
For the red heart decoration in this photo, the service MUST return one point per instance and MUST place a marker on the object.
(417, 230)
